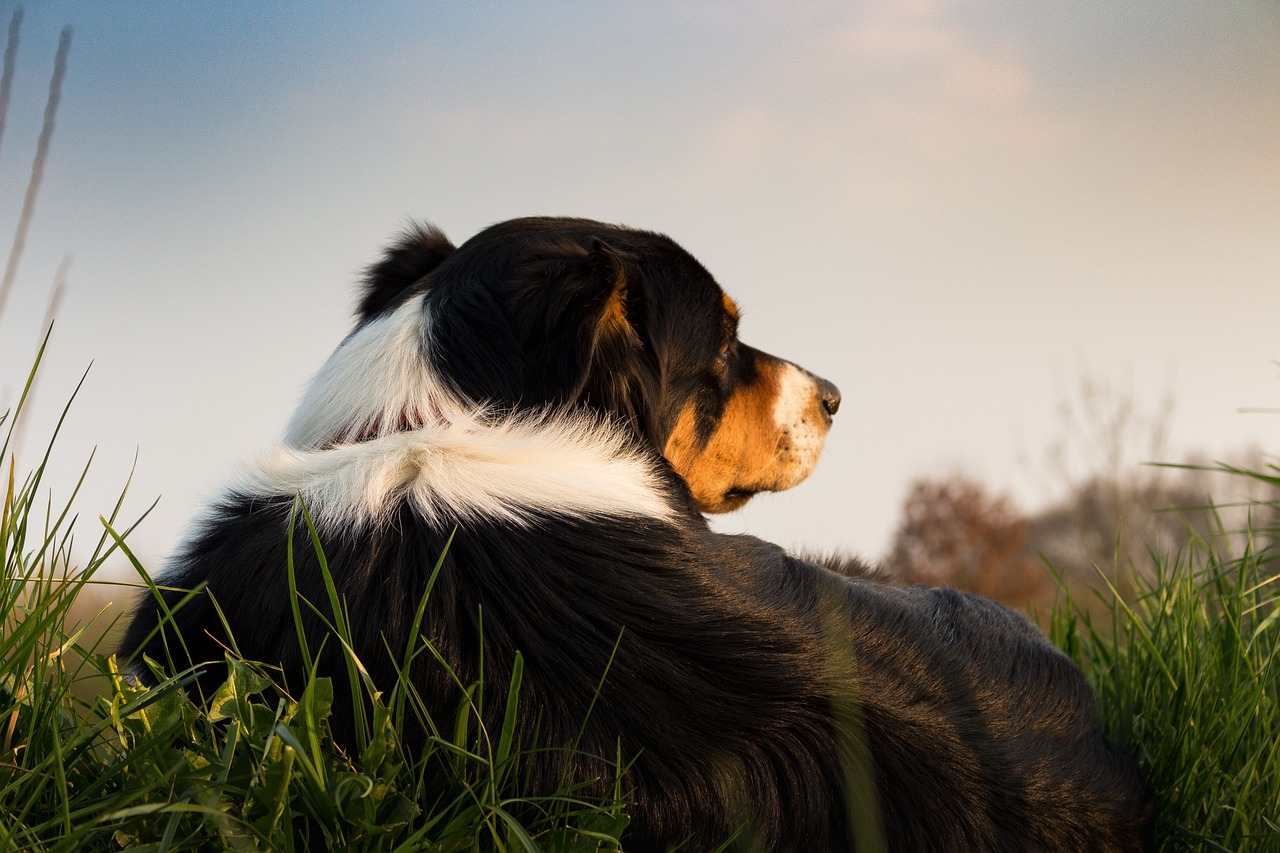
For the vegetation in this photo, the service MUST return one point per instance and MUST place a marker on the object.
(1188, 678)
(1185, 670)
(1108, 512)
(1166, 598)
(133, 767)
(1181, 645)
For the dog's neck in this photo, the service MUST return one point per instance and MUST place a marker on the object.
(407, 422)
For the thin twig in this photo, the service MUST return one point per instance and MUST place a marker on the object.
(37, 167)
(56, 294)
(10, 60)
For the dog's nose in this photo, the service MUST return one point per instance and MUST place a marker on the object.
(829, 394)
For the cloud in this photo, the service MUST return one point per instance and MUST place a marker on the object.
(890, 99)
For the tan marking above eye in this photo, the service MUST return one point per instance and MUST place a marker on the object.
(730, 329)
(731, 307)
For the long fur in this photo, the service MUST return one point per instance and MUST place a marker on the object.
(521, 389)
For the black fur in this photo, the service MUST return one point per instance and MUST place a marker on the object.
(422, 248)
(747, 682)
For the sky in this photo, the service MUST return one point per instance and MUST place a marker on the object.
(956, 210)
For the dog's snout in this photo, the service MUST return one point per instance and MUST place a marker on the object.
(829, 394)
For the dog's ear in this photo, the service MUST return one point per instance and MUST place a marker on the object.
(619, 286)
(417, 252)
(590, 333)
(566, 327)
(620, 373)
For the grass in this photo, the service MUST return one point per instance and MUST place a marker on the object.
(1187, 678)
(1185, 673)
(147, 768)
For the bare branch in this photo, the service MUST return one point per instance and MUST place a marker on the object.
(10, 60)
(37, 167)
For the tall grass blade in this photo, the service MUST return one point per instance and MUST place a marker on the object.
(37, 166)
(10, 62)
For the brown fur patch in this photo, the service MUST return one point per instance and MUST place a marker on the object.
(615, 310)
(614, 321)
(731, 308)
(745, 453)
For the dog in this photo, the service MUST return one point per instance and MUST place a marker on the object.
(553, 406)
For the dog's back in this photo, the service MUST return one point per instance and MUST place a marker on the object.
(560, 399)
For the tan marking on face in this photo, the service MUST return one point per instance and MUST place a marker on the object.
(768, 439)
(731, 307)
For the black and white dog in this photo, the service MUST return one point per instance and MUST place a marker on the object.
(570, 397)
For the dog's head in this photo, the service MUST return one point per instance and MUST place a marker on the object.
(549, 314)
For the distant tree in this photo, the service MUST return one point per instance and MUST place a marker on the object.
(1114, 507)
(955, 533)
(1111, 511)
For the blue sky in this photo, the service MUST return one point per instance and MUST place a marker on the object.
(953, 209)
